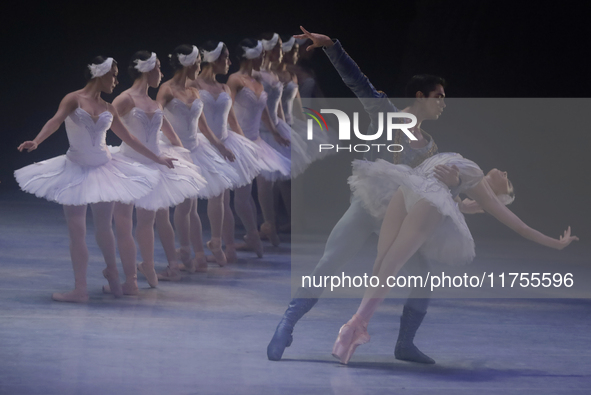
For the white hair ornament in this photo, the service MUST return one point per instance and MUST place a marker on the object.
(251, 53)
(144, 66)
(98, 70)
(190, 59)
(270, 44)
(288, 45)
(212, 56)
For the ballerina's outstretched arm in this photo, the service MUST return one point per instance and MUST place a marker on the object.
(66, 107)
(485, 197)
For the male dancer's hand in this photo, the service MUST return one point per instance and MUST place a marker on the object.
(318, 40)
(469, 206)
(449, 175)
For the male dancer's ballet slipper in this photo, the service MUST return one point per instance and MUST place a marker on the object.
(351, 335)
(215, 246)
(73, 297)
(170, 274)
(114, 284)
(269, 230)
(149, 272)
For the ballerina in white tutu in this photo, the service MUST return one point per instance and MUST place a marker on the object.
(218, 110)
(297, 151)
(291, 100)
(420, 214)
(250, 106)
(88, 174)
(145, 119)
(183, 107)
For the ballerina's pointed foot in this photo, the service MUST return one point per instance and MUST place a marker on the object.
(129, 288)
(72, 297)
(351, 335)
(255, 243)
(149, 272)
(188, 264)
(170, 274)
(200, 262)
(231, 256)
(269, 230)
(114, 286)
(215, 246)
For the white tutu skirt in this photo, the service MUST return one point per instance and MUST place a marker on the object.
(376, 182)
(297, 151)
(65, 182)
(247, 163)
(218, 172)
(174, 185)
(274, 165)
(319, 136)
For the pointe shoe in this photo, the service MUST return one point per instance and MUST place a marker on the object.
(188, 264)
(200, 262)
(114, 284)
(72, 297)
(244, 246)
(231, 256)
(269, 230)
(215, 246)
(170, 275)
(255, 244)
(351, 335)
(129, 288)
(149, 273)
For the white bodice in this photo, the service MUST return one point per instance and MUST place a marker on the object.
(184, 121)
(216, 112)
(290, 90)
(249, 108)
(274, 89)
(146, 129)
(88, 138)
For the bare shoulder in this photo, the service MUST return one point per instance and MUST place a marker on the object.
(235, 80)
(123, 103)
(71, 99)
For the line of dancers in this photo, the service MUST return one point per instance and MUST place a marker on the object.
(198, 140)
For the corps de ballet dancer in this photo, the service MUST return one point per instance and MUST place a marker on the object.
(250, 105)
(419, 214)
(183, 107)
(297, 151)
(89, 174)
(219, 112)
(145, 119)
(291, 99)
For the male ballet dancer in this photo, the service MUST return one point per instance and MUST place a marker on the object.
(357, 224)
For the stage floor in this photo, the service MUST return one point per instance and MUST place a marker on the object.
(208, 333)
